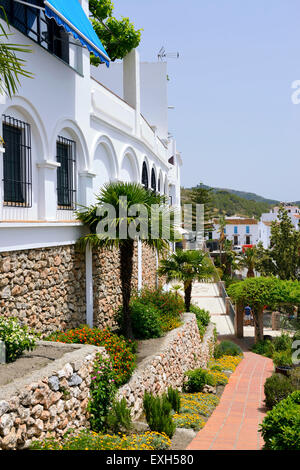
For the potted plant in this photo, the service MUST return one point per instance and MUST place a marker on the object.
(283, 362)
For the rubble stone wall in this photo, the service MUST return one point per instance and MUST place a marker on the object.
(49, 401)
(182, 349)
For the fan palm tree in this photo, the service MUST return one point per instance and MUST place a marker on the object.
(124, 213)
(248, 260)
(187, 266)
(11, 66)
(222, 238)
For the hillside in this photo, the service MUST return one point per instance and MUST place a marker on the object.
(231, 202)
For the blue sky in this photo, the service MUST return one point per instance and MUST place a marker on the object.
(234, 119)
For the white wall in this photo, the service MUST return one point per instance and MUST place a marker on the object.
(109, 145)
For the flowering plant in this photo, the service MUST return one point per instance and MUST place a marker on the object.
(121, 351)
(102, 392)
(17, 338)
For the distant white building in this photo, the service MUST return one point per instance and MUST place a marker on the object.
(268, 218)
(240, 231)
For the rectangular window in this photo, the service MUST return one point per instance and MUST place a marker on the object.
(66, 173)
(17, 172)
(235, 230)
(247, 229)
(33, 23)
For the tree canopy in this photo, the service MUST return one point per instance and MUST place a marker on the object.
(282, 259)
(118, 36)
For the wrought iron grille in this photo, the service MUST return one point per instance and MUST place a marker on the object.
(33, 23)
(153, 180)
(66, 173)
(17, 169)
(145, 180)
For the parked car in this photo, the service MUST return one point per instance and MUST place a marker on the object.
(237, 248)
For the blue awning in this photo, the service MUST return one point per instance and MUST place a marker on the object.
(71, 16)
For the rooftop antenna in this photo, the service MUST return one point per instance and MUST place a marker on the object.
(162, 54)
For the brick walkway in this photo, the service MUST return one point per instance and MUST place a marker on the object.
(234, 422)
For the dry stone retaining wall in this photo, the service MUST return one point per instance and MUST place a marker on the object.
(45, 287)
(49, 401)
(181, 350)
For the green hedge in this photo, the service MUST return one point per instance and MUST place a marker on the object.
(281, 426)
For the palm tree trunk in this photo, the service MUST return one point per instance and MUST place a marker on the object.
(126, 269)
(187, 295)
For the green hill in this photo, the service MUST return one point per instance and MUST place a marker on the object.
(230, 202)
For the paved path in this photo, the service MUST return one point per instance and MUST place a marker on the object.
(235, 421)
(206, 295)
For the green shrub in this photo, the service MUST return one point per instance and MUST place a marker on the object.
(294, 377)
(102, 393)
(264, 348)
(296, 336)
(145, 321)
(202, 317)
(227, 348)
(174, 398)
(277, 387)
(197, 378)
(283, 358)
(17, 338)
(282, 342)
(158, 414)
(119, 417)
(281, 426)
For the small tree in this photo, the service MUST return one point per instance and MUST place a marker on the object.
(257, 293)
(187, 266)
(249, 261)
(118, 37)
(282, 259)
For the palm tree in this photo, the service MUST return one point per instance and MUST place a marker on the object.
(124, 212)
(222, 238)
(11, 67)
(187, 266)
(248, 260)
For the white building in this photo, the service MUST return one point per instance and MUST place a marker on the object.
(73, 134)
(66, 135)
(268, 218)
(239, 230)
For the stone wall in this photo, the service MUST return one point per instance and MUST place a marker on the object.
(107, 285)
(182, 349)
(49, 401)
(149, 268)
(44, 288)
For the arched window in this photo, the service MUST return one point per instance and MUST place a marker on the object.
(153, 180)
(145, 181)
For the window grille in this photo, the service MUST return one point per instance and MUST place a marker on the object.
(66, 173)
(33, 23)
(145, 180)
(17, 169)
(153, 180)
